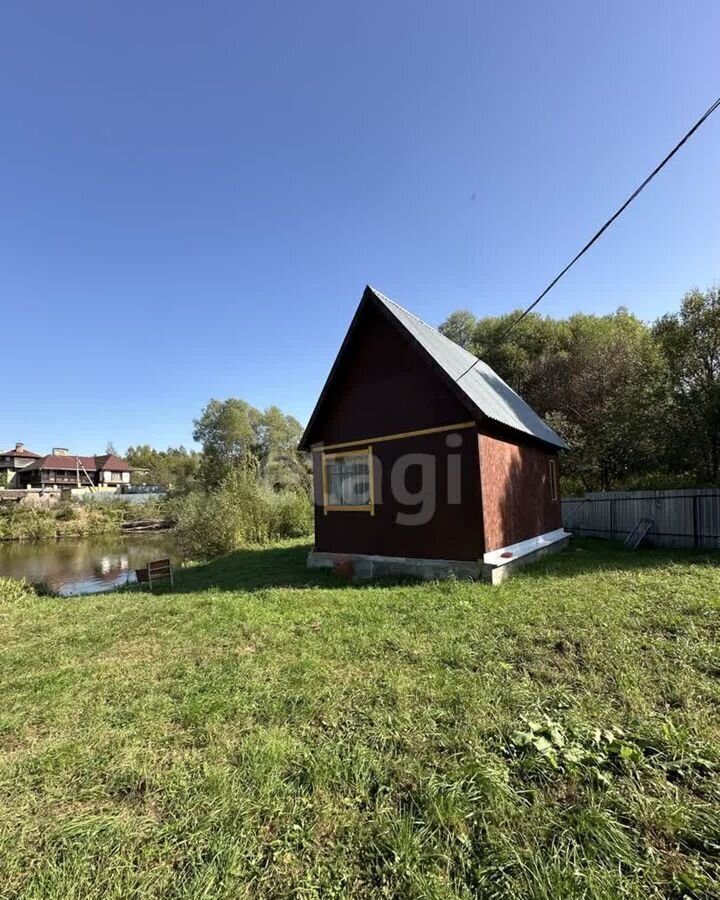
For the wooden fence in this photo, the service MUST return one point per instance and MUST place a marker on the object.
(682, 518)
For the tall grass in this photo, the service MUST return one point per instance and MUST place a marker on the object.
(13, 591)
(243, 511)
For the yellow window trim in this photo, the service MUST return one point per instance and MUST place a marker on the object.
(363, 452)
(392, 437)
(370, 507)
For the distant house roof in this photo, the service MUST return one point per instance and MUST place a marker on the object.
(20, 454)
(107, 462)
(112, 463)
(481, 390)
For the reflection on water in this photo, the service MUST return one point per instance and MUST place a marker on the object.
(85, 565)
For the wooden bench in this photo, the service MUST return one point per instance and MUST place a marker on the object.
(156, 570)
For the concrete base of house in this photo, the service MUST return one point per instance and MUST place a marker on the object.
(362, 566)
(494, 568)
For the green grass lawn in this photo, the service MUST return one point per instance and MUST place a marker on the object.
(265, 731)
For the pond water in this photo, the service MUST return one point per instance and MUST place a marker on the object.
(85, 565)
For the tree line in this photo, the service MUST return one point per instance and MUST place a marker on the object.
(638, 403)
(233, 434)
(248, 484)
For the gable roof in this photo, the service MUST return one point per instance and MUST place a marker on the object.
(20, 454)
(481, 390)
(111, 462)
(90, 463)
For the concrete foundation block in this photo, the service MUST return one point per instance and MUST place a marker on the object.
(363, 567)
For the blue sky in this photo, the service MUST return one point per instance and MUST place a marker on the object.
(194, 195)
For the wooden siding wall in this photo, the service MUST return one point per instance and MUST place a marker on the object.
(384, 387)
(516, 494)
(453, 532)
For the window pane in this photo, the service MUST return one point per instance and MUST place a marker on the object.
(348, 481)
(334, 482)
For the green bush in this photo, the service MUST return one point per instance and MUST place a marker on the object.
(66, 512)
(292, 514)
(241, 512)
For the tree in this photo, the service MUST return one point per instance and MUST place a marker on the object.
(179, 468)
(175, 467)
(233, 434)
(517, 357)
(460, 327)
(600, 381)
(690, 342)
(606, 392)
(277, 433)
(143, 457)
(228, 432)
(281, 463)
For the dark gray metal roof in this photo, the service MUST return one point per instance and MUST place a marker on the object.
(485, 390)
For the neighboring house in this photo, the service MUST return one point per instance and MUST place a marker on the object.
(63, 469)
(11, 461)
(424, 460)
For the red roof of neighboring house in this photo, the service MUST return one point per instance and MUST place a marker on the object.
(24, 454)
(112, 463)
(89, 463)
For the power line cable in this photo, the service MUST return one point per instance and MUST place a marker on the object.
(706, 115)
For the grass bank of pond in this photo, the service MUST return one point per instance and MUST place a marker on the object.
(21, 522)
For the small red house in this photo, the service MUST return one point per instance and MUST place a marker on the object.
(425, 461)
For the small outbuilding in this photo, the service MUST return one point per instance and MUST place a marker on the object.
(425, 461)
